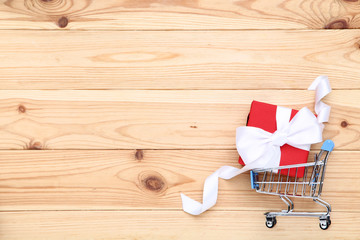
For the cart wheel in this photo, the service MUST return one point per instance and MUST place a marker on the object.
(270, 222)
(325, 223)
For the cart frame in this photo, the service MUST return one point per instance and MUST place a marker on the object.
(273, 181)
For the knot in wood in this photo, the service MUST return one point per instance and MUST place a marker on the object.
(49, 8)
(338, 24)
(21, 109)
(139, 155)
(344, 124)
(35, 146)
(63, 22)
(152, 181)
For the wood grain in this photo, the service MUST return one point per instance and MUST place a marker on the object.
(164, 225)
(125, 120)
(178, 59)
(149, 119)
(179, 14)
(151, 179)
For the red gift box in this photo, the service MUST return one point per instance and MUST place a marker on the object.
(263, 115)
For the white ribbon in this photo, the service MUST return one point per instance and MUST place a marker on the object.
(322, 88)
(261, 149)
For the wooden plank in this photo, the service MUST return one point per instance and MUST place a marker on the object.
(174, 14)
(151, 179)
(178, 59)
(169, 225)
(149, 119)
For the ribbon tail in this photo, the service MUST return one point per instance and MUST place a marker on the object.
(210, 190)
(322, 88)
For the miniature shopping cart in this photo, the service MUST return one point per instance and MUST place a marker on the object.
(284, 182)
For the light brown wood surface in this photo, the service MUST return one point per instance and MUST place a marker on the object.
(150, 179)
(216, 60)
(149, 119)
(164, 225)
(110, 109)
(179, 14)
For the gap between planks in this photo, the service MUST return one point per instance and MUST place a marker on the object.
(152, 210)
(179, 30)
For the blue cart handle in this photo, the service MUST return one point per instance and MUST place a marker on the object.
(328, 145)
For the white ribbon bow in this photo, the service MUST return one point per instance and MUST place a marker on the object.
(261, 149)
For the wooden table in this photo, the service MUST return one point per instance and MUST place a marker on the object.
(110, 109)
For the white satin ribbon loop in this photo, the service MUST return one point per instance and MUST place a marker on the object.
(322, 87)
(261, 149)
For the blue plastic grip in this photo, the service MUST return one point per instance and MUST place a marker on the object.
(252, 180)
(328, 145)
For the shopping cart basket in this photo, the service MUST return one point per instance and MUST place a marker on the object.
(276, 181)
